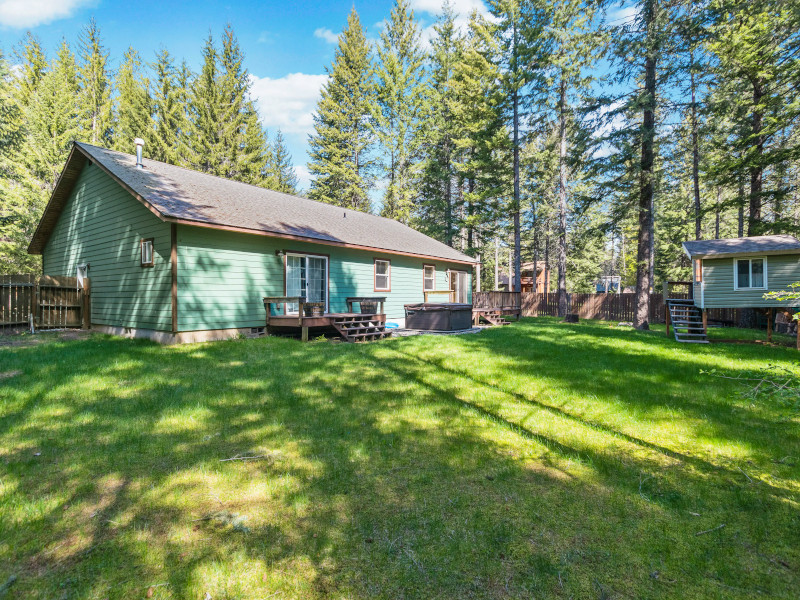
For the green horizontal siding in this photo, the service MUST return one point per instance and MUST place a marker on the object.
(718, 281)
(102, 224)
(223, 276)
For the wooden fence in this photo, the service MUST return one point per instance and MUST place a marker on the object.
(53, 302)
(609, 307)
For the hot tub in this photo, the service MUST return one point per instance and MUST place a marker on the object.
(438, 317)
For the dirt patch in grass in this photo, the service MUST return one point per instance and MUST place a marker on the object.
(23, 337)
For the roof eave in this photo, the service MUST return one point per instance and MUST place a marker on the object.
(62, 190)
(734, 254)
(301, 238)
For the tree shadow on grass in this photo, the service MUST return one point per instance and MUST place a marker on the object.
(381, 483)
(663, 384)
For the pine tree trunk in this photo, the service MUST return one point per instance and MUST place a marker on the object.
(535, 227)
(496, 264)
(756, 170)
(716, 215)
(644, 242)
(547, 263)
(740, 228)
(562, 200)
(698, 221)
(517, 233)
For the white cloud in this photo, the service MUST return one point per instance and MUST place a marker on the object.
(287, 102)
(30, 13)
(460, 7)
(326, 34)
(623, 14)
(433, 8)
(303, 177)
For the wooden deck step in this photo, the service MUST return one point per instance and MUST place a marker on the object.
(361, 328)
(687, 322)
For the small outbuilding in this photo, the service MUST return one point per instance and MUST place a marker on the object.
(736, 273)
(177, 255)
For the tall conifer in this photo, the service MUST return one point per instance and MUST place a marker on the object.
(133, 116)
(398, 107)
(343, 136)
(94, 86)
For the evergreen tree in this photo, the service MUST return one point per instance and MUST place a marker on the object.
(205, 145)
(343, 136)
(437, 204)
(513, 21)
(399, 102)
(133, 106)
(566, 49)
(32, 67)
(169, 109)
(225, 136)
(18, 200)
(755, 46)
(94, 87)
(53, 120)
(482, 144)
(282, 174)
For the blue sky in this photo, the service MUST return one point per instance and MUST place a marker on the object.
(287, 44)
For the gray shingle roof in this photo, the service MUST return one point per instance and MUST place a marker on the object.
(187, 196)
(765, 244)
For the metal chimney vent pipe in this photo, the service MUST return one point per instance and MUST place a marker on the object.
(139, 144)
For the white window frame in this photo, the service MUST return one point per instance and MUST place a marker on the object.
(388, 287)
(327, 277)
(144, 243)
(750, 271)
(424, 278)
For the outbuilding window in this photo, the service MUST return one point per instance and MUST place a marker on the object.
(147, 252)
(750, 273)
(428, 278)
(383, 275)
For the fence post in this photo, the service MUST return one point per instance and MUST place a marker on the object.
(86, 303)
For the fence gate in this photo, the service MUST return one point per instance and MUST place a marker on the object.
(47, 302)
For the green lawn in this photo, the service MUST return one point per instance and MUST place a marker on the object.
(540, 460)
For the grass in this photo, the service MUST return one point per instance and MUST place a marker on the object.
(538, 460)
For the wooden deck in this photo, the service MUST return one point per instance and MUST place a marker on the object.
(352, 326)
(325, 320)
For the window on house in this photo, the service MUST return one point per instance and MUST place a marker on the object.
(751, 273)
(147, 252)
(383, 275)
(428, 278)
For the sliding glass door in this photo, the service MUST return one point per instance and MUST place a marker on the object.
(458, 285)
(307, 276)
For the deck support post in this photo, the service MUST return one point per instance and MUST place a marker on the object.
(305, 334)
(705, 321)
(667, 318)
(769, 325)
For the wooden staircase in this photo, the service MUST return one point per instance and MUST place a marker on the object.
(360, 328)
(687, 321)
(493, 317)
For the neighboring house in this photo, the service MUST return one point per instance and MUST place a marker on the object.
(542, 279)
(736, 273)
(608, 284)
(177, 255)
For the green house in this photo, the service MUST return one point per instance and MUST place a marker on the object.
(736, 273)
(177, 255)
